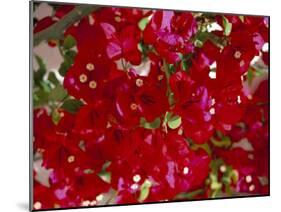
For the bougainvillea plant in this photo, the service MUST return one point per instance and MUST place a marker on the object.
(149, 106)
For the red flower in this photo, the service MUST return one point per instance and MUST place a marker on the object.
(229, 106)
(123, 44)
(193, 104)
(43, 24)
(137, 72)
(87, 187)
(119, 17)
(249, 177)
(170, 34)
(257, 26)
(165, 161)
(142, 96)
(246, 40)
(86, 34)
(41, 120)
(201, 60)
(88, 76)
(62, 10)
(91, 120)
(236, 57)
(44, 197)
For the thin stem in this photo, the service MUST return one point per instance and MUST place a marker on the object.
(123, 64)
(56, 30)
(169, 91)
(62, 101)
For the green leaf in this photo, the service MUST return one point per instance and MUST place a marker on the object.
(68, 61)
(143, 22)
(144, 48)
(144, 190)
(58, 93)
(217, 40)
(140, 47)
(254, 73)
(41, 64)
(174, 122)
(224, 142)
(45, 85)
(69, 42)
(171, 98)
(88, 171)
(226, 179)
(259, 72)
(215, 164)
(64, 68)
(198, 43)
(201, 36)
(189, 195)
(56, 117)
(53, 79)
(181, 56)
(82, 145)
(72, 105)
(184, 65)
(204, 146)
(150, 125)
(71, 54)
(215, 185)
(40, 98)
(167, 117)
(227, 26)
(106, 165)
(263, 180)
(109, 197)
(241, 17)
(250, 76)
(171, 68)
(40, 72)
(105, 176)
(216, 193)
(221, 178)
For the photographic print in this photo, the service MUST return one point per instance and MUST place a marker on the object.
(135, 105)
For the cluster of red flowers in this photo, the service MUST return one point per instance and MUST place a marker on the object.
(164, 110)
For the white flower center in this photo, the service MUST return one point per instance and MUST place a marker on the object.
(90, 67)
(136, 178)
(93, 84)
(37, 205)
(185, 170)
(83, 78)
